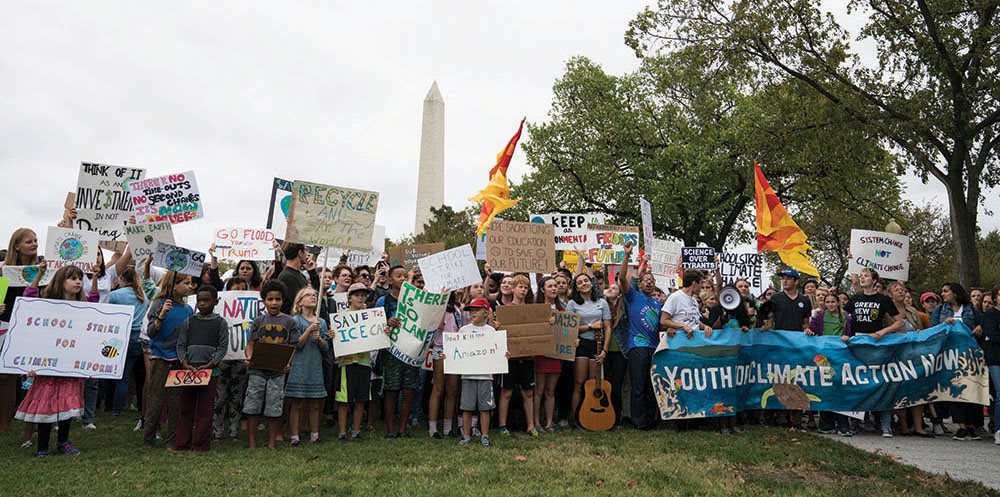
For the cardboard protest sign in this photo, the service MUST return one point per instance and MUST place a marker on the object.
(371, 257)
(143, 238)
(528, 330)
(69, 247)
(173, 198)
(271, 356)
(475, 352)
(252, 244)
(331, 216)
(179, 259)
(564, 334)
(520, 247)
(746, 266)
(886, 253)
(702, 258)
(281, 202)
(606, 243)
(21, 276)
(239, 309)
(102, 199)
(647, 223)
(188, 378)
(568, 229)
(408, 255)
(664, 255)
(70, 202)
(81, 339)
(359, 331)
(420, 313)
(452, 269)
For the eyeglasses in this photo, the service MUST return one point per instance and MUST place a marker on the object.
(365, 276)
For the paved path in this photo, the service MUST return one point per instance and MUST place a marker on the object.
(977, 461)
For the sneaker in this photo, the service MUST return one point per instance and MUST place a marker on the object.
(550, 428)
(825, 431)
(974, 434)
(138, 425)
(485, 441)
(533, 432)
(938, 430)
(42, 453)
(342, 437)
(962, 435)
(996, 437)
(436, 436)
(89, 426)
(356, 436)
(476, 432)
(737, 429)
(391, 435)
(726, 431)
(564, 424)
(504, 432)
(886, 434)
(845, 433)
(28, 443)
(449, 434)
(465, 441)
(295, 442)
(404, 434)
(67, 449)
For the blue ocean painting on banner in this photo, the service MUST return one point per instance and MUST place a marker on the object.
(734, 371)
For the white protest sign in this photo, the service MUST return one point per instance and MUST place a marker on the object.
(420, 313)
(743, 266)
(886, 253)
(253, 244)
(647, 223)
(281, 202)
(21, 276)
(143, 238)
(358, 331)
(81, 339)
(179, 259)
(339, 302)
(452, 269)
(570, 229)
(663, 258)
(173, 198)
(239, 309)
(371, 257)
(103, 202)
(69, 247)
(475, 352)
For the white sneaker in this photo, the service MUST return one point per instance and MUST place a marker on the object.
(89, 426)
(938, 430)
(886, 434)
(564, 424)
(996, 437)
(138, 425)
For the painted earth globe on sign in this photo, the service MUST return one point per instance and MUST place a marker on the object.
(148, 239)
(29, 272)
(176, 261)
(71, 249)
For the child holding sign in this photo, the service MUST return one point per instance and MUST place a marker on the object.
(355, 373)
(53, 399)
(305, 385)
(202, 340)
(477, 389)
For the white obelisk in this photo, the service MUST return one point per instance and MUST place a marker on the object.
(430, 179)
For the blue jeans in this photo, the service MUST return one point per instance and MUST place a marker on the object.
(91, 389)
(995, 376)
(886, 420)
(642, 404)
(132, 355)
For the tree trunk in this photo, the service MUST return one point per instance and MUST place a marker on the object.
(963, 230)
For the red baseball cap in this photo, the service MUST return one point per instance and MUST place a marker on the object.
(479, 302)
(929, 295)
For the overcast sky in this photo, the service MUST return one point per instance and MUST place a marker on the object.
(244, 91)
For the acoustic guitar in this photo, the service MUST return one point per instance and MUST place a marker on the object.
(596, 411)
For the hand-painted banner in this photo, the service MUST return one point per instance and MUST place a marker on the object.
(331, 216)
(743, 266)
(69, 247)
(886, 253)
(281, 202)
(606, 243)
(734, 371)
(420, 313)
(239, 309)
(253, 244)
(358, 331)
(66, 338)
(179, 259)
(520, 247)
(570, 229)
(565, 330)
(21, 276)
(143, 238)
(664, 256)
(474, 352)
(453, 269)
(101, 187)
(173, 198)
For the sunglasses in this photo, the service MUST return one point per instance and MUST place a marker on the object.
(364, 275)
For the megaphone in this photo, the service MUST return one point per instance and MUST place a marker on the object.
(730, 298)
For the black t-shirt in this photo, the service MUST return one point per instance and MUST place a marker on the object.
(869, 312)
(718, 316)
(991, 336)
(789, 314)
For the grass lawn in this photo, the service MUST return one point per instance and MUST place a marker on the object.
(760, 461)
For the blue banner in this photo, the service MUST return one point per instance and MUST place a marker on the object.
(734, 371)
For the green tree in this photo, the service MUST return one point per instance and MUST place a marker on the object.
(454, 228)
(931, 95)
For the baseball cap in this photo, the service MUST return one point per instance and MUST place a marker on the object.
(358, 287)
(790, 272)
(479, 302)
(929, 295)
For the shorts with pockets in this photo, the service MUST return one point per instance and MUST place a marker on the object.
(397, 374)
(586, 349)
(265, 395)
(520, 372)
(355, 383)
(477, 395)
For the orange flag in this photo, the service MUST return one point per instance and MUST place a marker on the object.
(776, 231)
(496, 196)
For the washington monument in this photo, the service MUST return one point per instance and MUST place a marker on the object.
(430, 178)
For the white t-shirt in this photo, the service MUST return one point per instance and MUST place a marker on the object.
(471, 328)
(683, 309)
